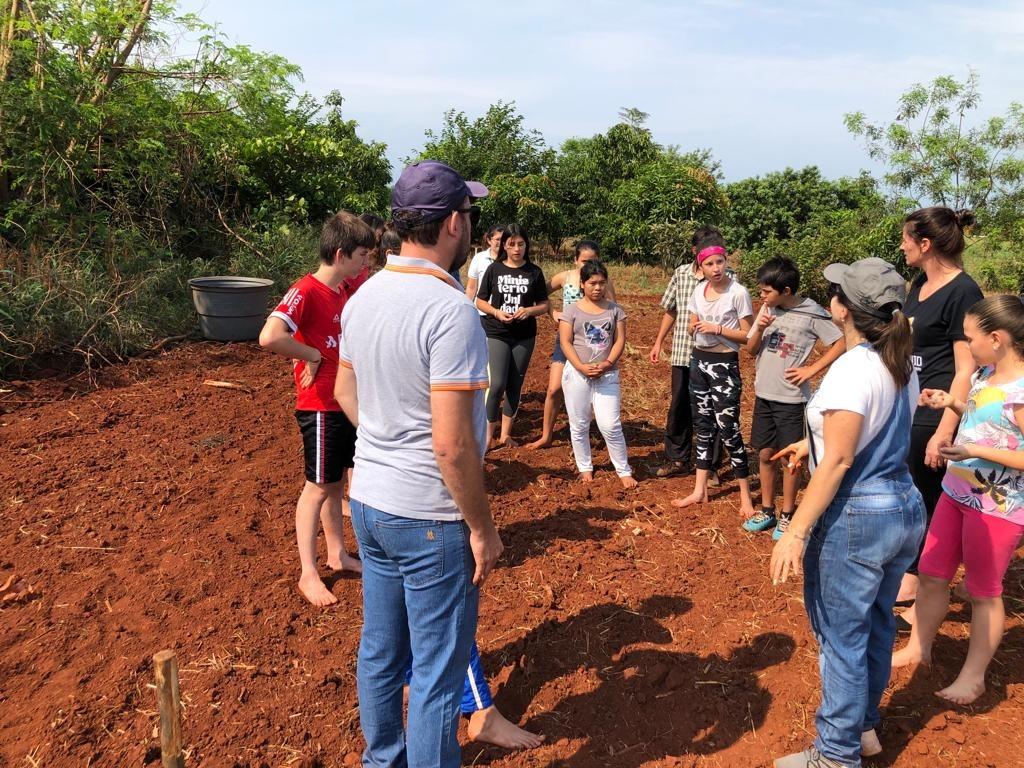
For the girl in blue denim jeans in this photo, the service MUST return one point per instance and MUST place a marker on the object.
(861, 520)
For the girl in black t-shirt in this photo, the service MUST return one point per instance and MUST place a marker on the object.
(933, 242)
(512, 294)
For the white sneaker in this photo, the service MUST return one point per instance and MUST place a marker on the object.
(809, 758)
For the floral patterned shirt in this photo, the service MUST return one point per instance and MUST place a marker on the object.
(989, 421)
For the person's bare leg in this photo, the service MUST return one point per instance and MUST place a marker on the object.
(506, 431)
(908, 587)
(492, 427)
(307, 520)
(932, 604)
(768, 478)
(746, 500)
(700, 491)
(333, 522)
(790, 486)
(492, 727)
(987, 619)
(552, 400)
(346, 510)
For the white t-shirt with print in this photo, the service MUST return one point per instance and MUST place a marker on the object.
(860, 383)
(726, 311)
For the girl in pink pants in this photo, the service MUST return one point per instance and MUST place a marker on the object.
(980, 516)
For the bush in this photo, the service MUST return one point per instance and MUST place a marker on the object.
(840, 236)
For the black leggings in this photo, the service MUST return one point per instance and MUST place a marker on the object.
(506, 369)
(927, 480)
(715, 389)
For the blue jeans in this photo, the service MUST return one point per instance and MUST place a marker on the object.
(855, 559)
(418, 601)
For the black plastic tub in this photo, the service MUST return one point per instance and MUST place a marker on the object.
(230, 308)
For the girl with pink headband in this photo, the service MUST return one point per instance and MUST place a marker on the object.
(721, 314)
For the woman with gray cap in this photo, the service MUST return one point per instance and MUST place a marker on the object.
(861, 519)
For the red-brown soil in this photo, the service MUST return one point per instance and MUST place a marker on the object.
(154, 512)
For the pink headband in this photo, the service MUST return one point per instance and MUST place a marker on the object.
(714, 250)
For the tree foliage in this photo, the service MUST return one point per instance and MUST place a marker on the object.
(126, 165)
(935, 153)
(785, 204)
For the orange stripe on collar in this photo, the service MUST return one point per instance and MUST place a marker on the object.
(423, 271)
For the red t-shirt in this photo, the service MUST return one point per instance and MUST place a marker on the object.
(312, 311)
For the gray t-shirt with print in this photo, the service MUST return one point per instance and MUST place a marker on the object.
(788, 343)
(593, 334)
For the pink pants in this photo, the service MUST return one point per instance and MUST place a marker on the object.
(983, 543)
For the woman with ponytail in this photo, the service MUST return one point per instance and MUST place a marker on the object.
(938, 299)
(861, 519)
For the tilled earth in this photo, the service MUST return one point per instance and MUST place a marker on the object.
(147, 511)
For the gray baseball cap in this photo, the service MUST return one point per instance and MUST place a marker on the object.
(870, 284)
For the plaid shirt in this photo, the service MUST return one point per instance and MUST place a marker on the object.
(677, 299)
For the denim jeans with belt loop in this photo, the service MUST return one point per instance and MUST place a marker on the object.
(419, 601)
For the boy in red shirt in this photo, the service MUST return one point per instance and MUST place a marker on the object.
(306, 327)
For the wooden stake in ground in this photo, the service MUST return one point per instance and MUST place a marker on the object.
(168, 697)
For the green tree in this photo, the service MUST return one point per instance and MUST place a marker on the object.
(936, 155)
(512, 161)
(127, 166)
(782, 205)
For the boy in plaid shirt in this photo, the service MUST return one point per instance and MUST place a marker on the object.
(679, 425)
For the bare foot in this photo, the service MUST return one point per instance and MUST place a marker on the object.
(963, 691)
(909, 656)
(628, 481)
(313, 589)
(694, 498)
(490, 726)
(747, 512)
(586, 477)
(346, 563)
(543, 442)
(501, 442)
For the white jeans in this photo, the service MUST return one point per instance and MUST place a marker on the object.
(599, 397)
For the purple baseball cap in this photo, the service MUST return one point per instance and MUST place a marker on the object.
(431, 189)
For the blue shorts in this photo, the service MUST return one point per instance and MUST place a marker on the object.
(476, 694)
(557, 355)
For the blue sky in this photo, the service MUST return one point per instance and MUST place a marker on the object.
(764, 85)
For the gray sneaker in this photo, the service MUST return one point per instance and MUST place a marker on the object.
(809, 758)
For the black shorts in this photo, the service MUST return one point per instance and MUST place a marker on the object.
(776, 424)
(329, 444)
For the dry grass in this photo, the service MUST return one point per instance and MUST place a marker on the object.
(634, 279)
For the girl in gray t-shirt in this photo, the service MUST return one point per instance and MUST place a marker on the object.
(592, 334)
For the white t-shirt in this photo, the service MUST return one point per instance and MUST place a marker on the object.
(726, 311)
(405, 333)
(860, 383)
(478, 265)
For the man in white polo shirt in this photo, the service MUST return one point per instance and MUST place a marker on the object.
(412, 375)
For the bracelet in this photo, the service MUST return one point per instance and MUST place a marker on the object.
(798, 537)
(720, 329)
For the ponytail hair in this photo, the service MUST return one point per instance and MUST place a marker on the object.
(943, 227)
(891, 338)
(1002, 313)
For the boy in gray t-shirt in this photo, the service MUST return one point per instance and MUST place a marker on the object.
(783, 336)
